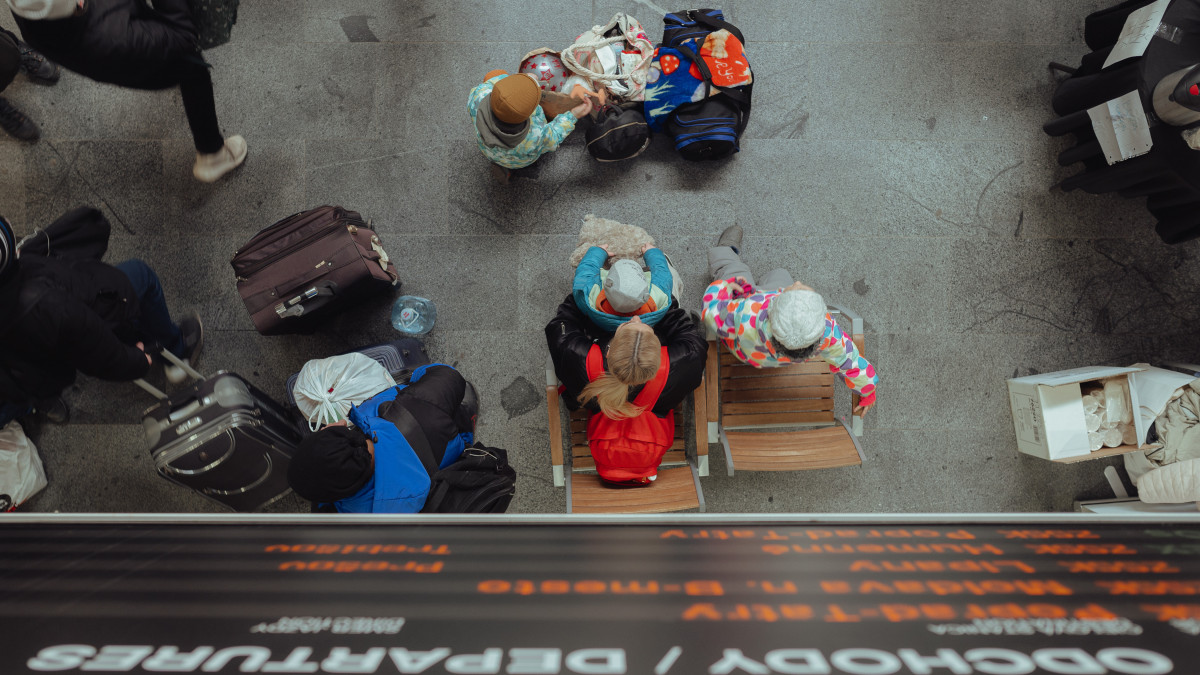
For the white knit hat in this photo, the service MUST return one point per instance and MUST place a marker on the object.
(37, 10)
(797, 318)
(625, 286)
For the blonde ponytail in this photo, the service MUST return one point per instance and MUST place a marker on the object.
(633, 358)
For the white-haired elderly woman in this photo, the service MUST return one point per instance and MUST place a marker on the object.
(778, 321)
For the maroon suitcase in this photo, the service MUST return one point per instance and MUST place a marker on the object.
(298, 272)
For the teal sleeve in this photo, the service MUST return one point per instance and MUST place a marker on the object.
(556, 132)
(587, 275)
(660, 271)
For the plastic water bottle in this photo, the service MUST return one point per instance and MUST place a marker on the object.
(413, 316)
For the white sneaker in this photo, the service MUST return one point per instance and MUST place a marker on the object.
(209, 168)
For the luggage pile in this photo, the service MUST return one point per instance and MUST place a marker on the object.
(695, 86)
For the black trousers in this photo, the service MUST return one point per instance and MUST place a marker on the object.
(195, 84)
(10, 58)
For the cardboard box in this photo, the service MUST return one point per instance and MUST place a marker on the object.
(1048, 413)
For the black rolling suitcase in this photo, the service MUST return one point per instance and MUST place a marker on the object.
(223, 438)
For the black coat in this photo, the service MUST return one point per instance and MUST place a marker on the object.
(66, 312)
(441, 403)
(122, 42)
(570, 335)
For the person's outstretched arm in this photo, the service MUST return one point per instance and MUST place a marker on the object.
(844, 359)
(94, 350)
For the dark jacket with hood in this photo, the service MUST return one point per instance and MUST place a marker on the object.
(570, 335)
(65, 311)
(123, 42)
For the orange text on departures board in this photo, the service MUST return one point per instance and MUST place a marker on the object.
(1081, 549)
(1151, 587)
(914, 587)
(993, 566)
(708, 534)
(814, 535)
(910, 549)
(597, 587)
(1170, 612)
(1118, 566)
(348, 566)
(358, 549)
(1049, 534)
(707, 611)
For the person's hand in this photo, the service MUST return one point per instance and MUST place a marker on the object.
(604, 247)
(861, 410)
(143, 348)
(580, 111)
(647, 247)
(339, 423)
(742, 281)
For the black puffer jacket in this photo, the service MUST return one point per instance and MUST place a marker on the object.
(66, 312)
(570, 335)
(122, 42)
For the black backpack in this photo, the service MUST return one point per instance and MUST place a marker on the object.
(618, 134)
(481, 481)
(711, 127)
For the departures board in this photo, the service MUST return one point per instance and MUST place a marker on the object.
(855, 595)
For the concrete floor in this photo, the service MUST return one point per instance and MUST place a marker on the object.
(895, 162)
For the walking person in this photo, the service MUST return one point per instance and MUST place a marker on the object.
(777, 321)
(64, 311)
(631, 381)
(130, 44)
(18, 57)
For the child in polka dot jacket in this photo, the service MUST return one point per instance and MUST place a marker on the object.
(779, 321)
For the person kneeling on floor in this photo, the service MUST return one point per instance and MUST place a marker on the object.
(399, 438)
(510, 126)
(631, 381)
(62, 310)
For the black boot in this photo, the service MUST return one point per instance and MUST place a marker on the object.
(37, 67)
(16, 123)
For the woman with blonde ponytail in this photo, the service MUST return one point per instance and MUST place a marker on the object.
(631, 380)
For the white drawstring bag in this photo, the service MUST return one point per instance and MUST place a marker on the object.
(21, 472)
(326, 388)
(619, 63)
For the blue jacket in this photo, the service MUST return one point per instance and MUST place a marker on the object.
(589, 287)
(401, 483)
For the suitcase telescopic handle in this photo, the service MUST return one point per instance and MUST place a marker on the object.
(307, 301)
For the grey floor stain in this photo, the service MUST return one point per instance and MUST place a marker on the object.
(519, 398)
(356, 28)
(861, 287)
(930, 123)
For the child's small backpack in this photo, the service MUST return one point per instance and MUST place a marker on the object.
(481, 481)
(703, 103)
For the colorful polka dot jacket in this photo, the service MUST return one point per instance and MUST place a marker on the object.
(737, 313)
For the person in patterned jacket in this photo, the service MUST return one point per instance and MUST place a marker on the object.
(510, 126)
(778, 321)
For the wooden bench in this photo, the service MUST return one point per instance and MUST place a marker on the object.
(780, 419)
(677, 487)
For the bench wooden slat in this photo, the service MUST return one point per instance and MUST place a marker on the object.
(825, 448)
(789, 405)
(806, 368)
(823, 416)
(783, 379)
(777, 394)
(674, 490)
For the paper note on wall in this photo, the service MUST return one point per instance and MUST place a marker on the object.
(1121, 127)
(1139, 28)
